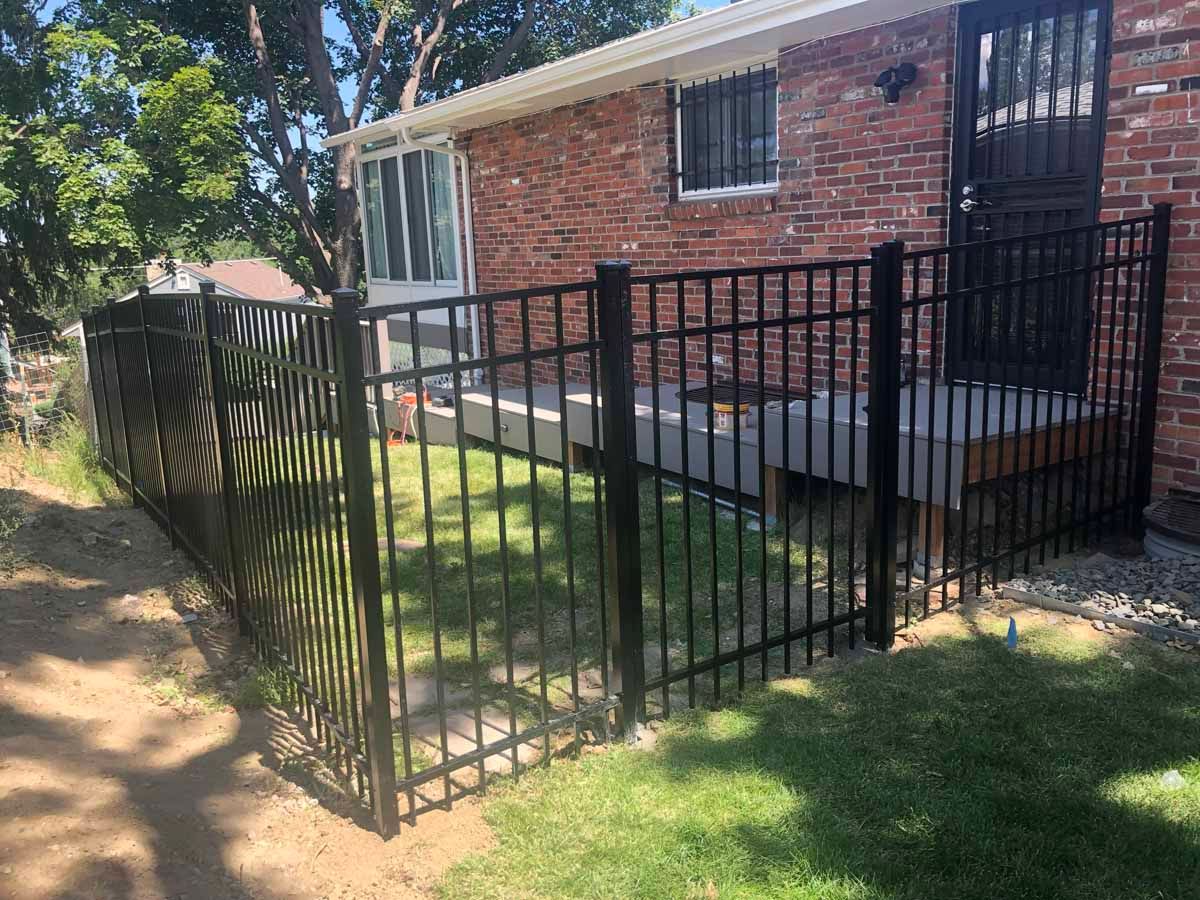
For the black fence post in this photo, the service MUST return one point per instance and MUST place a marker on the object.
(143, 292)
(213, 329)
(883, 440)
(1152, 360)
(112, 330)
(623, 548)
(361, 527)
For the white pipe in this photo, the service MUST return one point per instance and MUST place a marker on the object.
(468, 225)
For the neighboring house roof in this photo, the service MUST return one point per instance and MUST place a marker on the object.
(253, 279)
(714, 41)
(250, 278)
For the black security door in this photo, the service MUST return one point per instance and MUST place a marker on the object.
(1028, 139)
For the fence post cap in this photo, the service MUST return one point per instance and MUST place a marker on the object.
(614, 264)
(342, 296)
(208, 287)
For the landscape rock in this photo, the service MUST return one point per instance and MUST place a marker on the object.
(95, 539)
(1159, 592)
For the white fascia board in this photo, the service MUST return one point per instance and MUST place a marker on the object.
(722, 36)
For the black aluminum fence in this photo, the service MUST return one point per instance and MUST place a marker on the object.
(460, 576)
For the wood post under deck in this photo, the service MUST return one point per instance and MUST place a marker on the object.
(931, 522)
(576, 460)
(774, 492)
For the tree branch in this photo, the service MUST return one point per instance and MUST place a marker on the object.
(305, 220)
(512, 43)
(302, 131)
(369, 68)
(389, 85)
(263, 150)
(424, 43)
(320, 256)
(266, 82)
(320, 68)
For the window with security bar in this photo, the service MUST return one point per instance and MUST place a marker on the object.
(726, 132)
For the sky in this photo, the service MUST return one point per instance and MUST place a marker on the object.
(336, 30)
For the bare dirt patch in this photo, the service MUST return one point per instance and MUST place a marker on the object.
(124, 771)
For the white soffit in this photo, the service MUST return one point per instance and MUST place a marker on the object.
(711, 42)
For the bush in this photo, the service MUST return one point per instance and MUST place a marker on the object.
(67, 458)
(261, 687)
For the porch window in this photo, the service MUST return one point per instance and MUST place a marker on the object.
(408, 207)
(726, 130)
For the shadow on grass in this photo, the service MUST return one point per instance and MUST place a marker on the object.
(959, 770)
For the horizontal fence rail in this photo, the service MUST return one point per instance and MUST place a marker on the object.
(640, 491)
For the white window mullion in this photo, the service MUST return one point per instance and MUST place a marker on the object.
(426, 184)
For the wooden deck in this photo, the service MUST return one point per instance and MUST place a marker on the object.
(949, 424)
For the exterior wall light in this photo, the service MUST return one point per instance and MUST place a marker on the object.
(892, 79)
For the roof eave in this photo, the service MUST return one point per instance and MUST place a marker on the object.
(676, 40)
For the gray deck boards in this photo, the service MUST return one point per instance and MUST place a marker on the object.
(848, 420)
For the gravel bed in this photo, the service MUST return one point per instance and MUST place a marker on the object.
(1163, 592)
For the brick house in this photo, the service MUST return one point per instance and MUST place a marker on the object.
(757, 132)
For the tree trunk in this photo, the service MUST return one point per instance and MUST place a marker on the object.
(346, 219)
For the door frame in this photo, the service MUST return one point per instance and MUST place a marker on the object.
(962, 139)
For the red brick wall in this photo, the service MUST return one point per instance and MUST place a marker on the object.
(555, 192)
(1152, 154)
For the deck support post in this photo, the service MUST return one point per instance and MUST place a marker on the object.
(774, 492)
(931, 533)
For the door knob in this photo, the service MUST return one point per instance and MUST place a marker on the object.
(968, 204)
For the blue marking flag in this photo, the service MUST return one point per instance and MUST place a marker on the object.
(1012, 633)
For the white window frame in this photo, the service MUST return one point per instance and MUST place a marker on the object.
(398, 151)
(766, 188)
(183, 281)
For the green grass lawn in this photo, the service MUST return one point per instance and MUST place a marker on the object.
(415, 587)
(958, 769)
